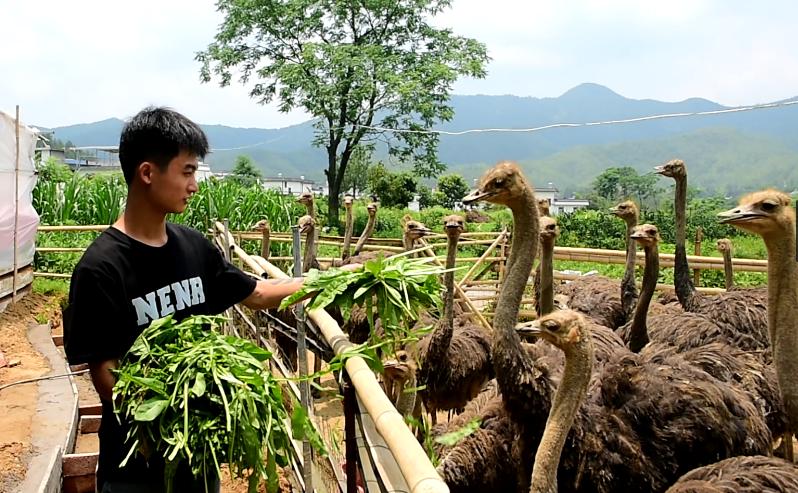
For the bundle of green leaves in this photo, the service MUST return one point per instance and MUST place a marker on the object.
(398, 287)
(193, 394)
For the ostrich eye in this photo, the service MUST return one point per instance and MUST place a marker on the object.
(768, 206)
(551, 326)
(498, 182)
(403, 357)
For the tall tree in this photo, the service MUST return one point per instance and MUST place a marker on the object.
(245, 171)
(354, 66)
(453, 188)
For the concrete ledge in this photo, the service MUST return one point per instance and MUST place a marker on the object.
(54, 425)
(90, 423)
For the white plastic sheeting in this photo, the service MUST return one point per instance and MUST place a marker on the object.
(21, 205)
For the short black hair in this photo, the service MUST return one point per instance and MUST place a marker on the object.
(157, 135)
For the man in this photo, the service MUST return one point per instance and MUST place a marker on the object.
(143, 268)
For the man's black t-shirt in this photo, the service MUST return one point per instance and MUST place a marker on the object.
(121, 285)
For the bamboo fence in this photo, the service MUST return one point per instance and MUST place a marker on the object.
(417, 471)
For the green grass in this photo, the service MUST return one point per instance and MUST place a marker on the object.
(49, 287)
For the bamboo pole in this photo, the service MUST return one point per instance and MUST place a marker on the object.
(50, 229)
(16, 210)
(482, 258)
(54, 275)
(417, 470)
(59, 249)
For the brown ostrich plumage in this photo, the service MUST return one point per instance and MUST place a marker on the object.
(754, 474)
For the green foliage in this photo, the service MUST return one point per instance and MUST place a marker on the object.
(80, 199)
(616, 184)
(245, 172)
(452, 188)
(393, 189)
(195, 395)
(399, 287)
(425, 197)
(351, 65)
(53, 170)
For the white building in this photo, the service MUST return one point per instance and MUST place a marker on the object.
(287, 185)
(567, 206)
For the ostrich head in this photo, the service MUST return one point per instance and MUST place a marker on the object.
(549, 230)
(724, 245)
(305, 198)
(565, 329)
(503, 184)
(400, 367)
(764, 213)
(627, 210)
(672, 169)
(645, 234)
(372, 209)
(543, 206)
(348, 201)
(454, 225)
(415, 230)
(306, 223)
(262, 225)
(561, 301)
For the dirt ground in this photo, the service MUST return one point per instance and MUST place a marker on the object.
(18, 403)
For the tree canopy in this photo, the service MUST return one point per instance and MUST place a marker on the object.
(356, 67)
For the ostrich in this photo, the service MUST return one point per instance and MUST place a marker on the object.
(701, 342)
(544, 206)
(454, 362)
(348, 200)
(544, 274)
(307, 226)
(369, 229)
(724, 246)
(629, 212)
(769, 214)
(399, 378)
(754, 474)
(265, 228)
(412, 231)
(734, 308)
(647, 423)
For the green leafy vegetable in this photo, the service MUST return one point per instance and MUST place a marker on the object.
(398, 287)
(192, 394)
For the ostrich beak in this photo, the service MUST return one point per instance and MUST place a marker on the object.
(529, 329)
(452, 225)
(614, 210)
(476, 195)
(424, 231)
(659, 169)
(739, 215)
(638, 236)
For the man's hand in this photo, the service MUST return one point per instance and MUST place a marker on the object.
(103, 379)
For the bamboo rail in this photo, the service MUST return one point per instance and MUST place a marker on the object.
(417, 470)
(482, 258)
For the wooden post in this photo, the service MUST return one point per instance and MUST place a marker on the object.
(350, 440)
(15, 235)
(699, 237)
(302, 363)
(482, 258)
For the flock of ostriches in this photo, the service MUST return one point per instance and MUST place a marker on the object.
(614, 391)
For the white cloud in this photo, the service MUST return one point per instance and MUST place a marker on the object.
(84, 61)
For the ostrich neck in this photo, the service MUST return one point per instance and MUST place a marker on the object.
(628, 287)
(366, 234)
(440, 339)
(546, 276)
(685, 290)
(728, 269)
(310, 250)
(311, 208)
(406, 400)
(782, 320)
(569, 397)
(512, 364)
(638, 334)
(347, 234)
(407, 242)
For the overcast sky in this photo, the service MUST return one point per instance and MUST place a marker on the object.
(87, 60)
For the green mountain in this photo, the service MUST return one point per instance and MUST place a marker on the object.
(721, 150)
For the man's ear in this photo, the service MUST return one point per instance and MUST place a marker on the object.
(145, 171)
